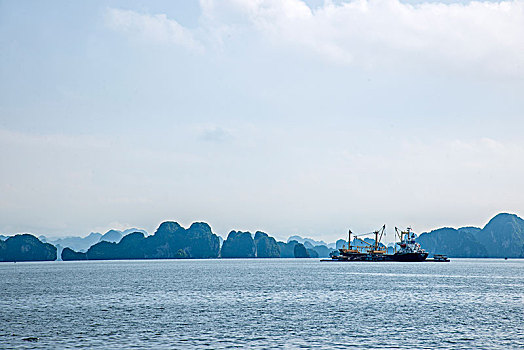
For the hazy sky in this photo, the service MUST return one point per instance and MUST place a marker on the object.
(287, 116)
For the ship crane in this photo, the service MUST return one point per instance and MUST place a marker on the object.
(375, 246)
(350, 249)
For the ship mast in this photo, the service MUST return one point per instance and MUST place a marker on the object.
(377, 239)
(398, 234)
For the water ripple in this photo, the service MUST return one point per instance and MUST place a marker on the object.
(260, 304)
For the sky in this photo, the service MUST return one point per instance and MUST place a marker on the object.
(286, 116)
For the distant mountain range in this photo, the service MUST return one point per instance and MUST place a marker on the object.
(311, 241)
(84, 243)
(503, 236)
(170, 241)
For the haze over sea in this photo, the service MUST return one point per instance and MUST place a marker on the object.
(262, 303)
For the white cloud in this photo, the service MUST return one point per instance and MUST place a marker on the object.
(151, 28)
(214, 133)
(479, 37)
(486, 35)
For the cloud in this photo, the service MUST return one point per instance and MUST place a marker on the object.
(213, 133)
(486, 35)
(151, 28)
(482, 37)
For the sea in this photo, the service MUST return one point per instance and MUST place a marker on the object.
(262, 304)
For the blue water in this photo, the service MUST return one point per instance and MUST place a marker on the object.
(258, 303)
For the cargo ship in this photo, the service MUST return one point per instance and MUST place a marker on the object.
(408, 249)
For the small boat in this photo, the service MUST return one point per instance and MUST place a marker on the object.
(440, 258)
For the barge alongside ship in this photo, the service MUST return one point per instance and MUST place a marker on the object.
(408, 249)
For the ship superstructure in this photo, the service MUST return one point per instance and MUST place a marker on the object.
(409, 249)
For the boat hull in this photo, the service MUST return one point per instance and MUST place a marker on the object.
(409, 257)
(402, 257)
